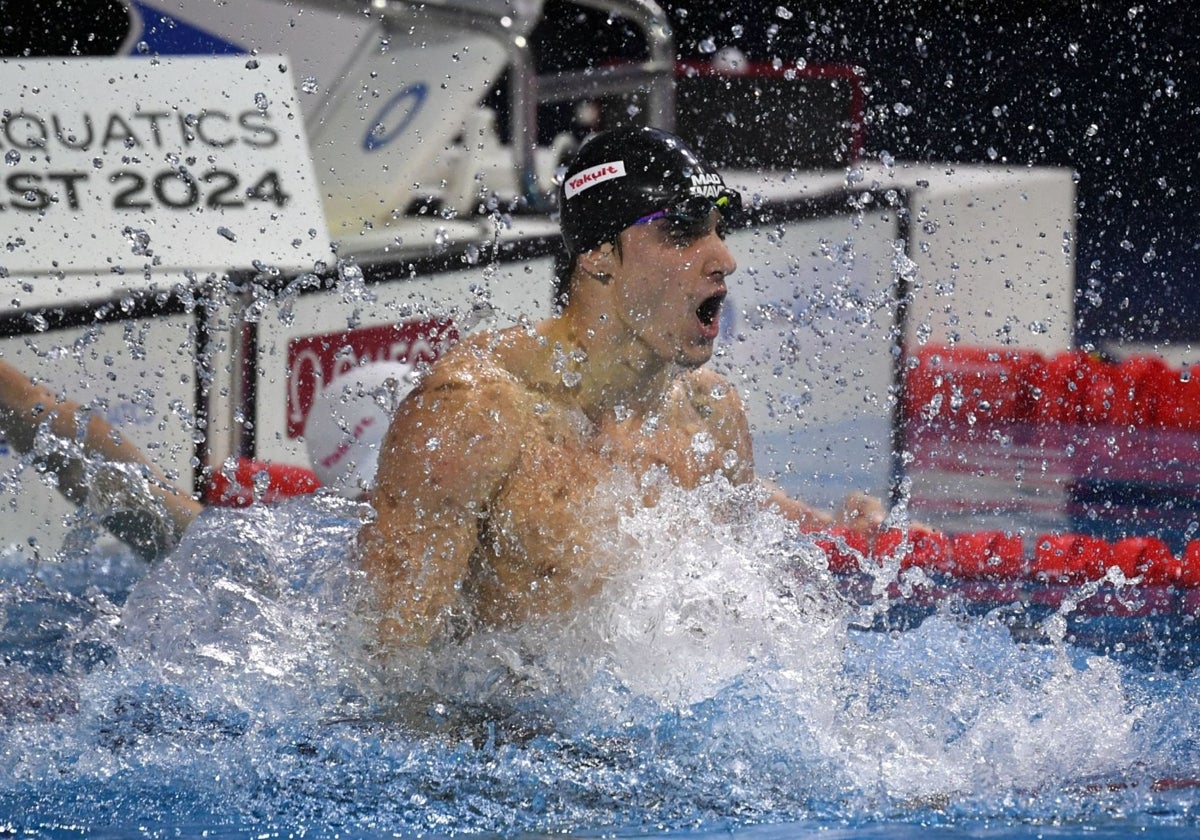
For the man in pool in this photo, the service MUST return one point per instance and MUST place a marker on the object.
(495, 484)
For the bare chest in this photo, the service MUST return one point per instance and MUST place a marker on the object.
(552, 535)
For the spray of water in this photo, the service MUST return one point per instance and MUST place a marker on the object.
(717, 679)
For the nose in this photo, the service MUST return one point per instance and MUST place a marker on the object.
(721, 258)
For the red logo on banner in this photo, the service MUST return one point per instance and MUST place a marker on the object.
(314, 360)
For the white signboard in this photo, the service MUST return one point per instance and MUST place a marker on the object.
(124, 167)
(406, 320)
(807, 338)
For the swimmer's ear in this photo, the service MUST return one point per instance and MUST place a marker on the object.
(598, 262)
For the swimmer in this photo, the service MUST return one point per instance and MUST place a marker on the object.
(489, 491)
(139, 505)
(97, 467)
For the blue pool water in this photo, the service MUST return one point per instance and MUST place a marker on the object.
(721, 685)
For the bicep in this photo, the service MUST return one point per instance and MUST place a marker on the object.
(442, 461)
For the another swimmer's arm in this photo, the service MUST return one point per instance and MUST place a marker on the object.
(446, 453)
(25, 406)
(807, 517)
(731, 429)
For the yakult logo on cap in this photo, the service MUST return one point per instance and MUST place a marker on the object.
(580, 181)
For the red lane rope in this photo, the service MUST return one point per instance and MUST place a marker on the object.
(953, 386)
(1056, 558)
(252, 480)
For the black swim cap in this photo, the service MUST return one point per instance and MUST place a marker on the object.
(621, 176)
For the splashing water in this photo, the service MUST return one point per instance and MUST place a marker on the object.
(718, 681)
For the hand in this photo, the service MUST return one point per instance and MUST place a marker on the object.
(861, 513)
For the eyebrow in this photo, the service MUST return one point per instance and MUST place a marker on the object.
(694, 225)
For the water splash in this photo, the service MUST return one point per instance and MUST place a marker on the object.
(720, 680)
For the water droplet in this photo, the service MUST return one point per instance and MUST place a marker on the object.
(708, 46)
(139, 240)
(349, 272)
(12, 157)
(252, 64)
(783, 13)
(227, 233)
(309, 85)
(260, 101)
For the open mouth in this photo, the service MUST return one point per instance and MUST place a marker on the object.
(709, 308)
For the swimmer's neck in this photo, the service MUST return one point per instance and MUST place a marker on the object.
(619, 377)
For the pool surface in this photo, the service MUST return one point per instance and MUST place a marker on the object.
(724, 684)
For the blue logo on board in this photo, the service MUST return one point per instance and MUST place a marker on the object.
(404, 106)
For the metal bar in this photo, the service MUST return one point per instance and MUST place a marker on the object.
(579, 83)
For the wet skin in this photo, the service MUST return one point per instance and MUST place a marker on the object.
(494, 494)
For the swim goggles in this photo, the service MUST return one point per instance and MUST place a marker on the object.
(696, 208)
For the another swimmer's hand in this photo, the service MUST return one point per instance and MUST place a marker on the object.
(861, 513)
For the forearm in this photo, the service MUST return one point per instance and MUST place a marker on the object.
(23, 406)
(805, 516)
(27, 406)
(859, 512)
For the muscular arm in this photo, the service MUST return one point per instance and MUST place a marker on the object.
(445, 456)
(731, 429)
(25, 406)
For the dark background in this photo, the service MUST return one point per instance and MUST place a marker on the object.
(1109, 89)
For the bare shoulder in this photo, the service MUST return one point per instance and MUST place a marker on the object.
(717, 404)
(491, 358)
(471, 407)
(713, 396)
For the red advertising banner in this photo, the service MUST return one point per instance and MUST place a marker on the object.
(315, 360)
